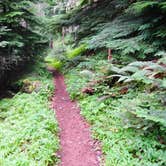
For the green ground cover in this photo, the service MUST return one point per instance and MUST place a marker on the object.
(28, 130)
(131, 131)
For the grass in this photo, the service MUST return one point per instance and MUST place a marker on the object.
(126, 140)
(28, 130)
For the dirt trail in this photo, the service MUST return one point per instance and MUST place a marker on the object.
(77, 147)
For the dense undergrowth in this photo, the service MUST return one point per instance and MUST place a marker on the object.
(129, 122)
(28, 134)
(113, 55)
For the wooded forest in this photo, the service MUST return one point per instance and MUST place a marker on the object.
(82, 83)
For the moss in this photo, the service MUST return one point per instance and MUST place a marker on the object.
(53, 62)
(77, 51)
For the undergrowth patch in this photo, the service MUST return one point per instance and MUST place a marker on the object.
(28, 130)
(130, 124)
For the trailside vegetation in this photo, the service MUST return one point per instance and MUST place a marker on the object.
(28, 128)
(29, 131)
(113, 55)
(126, 111)
(119, 77)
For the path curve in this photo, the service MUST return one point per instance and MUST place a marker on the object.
(77, 146)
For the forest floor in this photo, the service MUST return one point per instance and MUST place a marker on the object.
(125, 139)
(28, 129)
(77, 146)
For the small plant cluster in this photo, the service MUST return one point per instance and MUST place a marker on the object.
(29, 132)
(147, 72)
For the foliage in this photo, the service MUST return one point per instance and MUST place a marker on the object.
(62, 54)
(54, 23)
(77, 83)
(149, 72)
(121, 145)
(52, 62)
(126, 105)
(149, 106)
(28, 127)
(56, 56)
(128, 118)
(131, 28)
(77, 51)
(19, 34)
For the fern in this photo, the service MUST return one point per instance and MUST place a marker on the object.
(141, 6)
(133, 29)
(147, 106)
(145, 72)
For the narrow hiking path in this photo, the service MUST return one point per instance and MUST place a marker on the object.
(77, 146)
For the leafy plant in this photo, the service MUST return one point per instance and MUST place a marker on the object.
(147, 72)
(28, 127)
